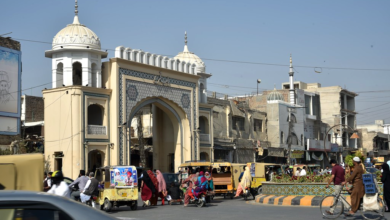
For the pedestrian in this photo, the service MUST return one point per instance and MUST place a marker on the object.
(303, 171)
(146, 186)
(59, 187)
(288, 171)
(242, 173)
(245, 182)
(356, 179)
(190, 184)
(162, 187)
(90, 189)
(297, 173)
(81, 182)
(153, 200)
(386, 184)
(46, 186)
(338, 177)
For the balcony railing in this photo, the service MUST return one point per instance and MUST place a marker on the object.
(204, 138)
(97, 130)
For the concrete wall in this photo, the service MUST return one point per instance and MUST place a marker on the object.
(34, 109)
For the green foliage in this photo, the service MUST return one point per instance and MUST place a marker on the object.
(5, 152)
(349, 159)
(310, 178)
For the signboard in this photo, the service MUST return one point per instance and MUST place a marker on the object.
(253, 169)
(334, 148)
(297, 154)
(123, 177)
(379, 159)
(10, 84)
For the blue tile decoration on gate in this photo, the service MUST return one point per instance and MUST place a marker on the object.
(137, 91)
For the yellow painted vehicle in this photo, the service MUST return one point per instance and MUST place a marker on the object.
(22, 172)
(260, 174)
(225, 178)
(237, 169)
(118, 186)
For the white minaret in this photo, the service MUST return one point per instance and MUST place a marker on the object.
(76, 56)
(292, 91)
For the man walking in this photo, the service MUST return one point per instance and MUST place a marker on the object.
(81, 181)
(337, 178)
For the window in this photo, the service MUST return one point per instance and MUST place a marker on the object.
(258, 125)
(308, 104)
(294, 139)
(302, 140)
(281, 137)
(238, 123)
(95, 115)
(293, 118)
(34, 213)
(329, 137)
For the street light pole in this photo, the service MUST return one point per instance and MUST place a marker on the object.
(258, 82)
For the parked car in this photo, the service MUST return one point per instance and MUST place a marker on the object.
(38, 205)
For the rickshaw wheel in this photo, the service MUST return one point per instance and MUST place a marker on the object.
(134, 205)
(107, 205)
(259, 190)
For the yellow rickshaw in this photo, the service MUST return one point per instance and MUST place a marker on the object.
(260, 175)
(191, 167)
(118, 186)
(22, 172)
(225, 176)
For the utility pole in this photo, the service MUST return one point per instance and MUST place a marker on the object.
(290, 128)
(140, 133)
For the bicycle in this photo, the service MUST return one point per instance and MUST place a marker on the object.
(328, 203)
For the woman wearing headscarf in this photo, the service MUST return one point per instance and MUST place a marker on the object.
(146, 186)
(386, 184)
(162, 187)
(201, 183)
(246, 181)
(153, 200)
(189, 181)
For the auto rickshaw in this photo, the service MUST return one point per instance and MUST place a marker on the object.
(223, 176)
(118, 186)
(260, 175)
(22, 172)
(191, 167)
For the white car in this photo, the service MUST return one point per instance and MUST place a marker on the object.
(44, 206)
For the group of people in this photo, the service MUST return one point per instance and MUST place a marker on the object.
(245, 182)
(357, 190)
(195, 184)
(152, 186)
(87, 186)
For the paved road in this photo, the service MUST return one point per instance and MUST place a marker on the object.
(224, 209)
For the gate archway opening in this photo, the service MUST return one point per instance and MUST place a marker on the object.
(160, 134)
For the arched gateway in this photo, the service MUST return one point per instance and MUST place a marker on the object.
(174, 115)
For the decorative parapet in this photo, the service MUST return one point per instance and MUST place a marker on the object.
(155, 60)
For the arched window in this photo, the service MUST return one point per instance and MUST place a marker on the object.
(293, 118)
(94, 75)
(95, 114)
(282, 137)
(78, 74)
(60, 75)
(294, 139)
(203, 125)
(201, 93)
(204, 156)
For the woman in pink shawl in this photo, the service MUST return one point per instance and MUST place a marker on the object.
(162, 187)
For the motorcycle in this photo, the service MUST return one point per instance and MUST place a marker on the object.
(89, 202)
(247, 193)
(199, 200)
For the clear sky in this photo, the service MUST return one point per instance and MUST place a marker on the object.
(347, 34)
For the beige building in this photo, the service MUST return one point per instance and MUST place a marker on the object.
(374, 139)
(89, 111)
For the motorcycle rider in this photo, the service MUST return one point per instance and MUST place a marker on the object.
(91, 188)
(81, 181)
(59, 187)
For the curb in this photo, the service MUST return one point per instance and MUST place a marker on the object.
(292, 200)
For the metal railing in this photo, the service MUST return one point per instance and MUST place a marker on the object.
(97, 130)
(204, 138)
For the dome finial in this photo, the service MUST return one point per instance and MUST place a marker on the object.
(75, 8)
(76, 13)
(185, 42)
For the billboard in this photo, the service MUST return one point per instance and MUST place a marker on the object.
(123, 177)
(10, 86)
